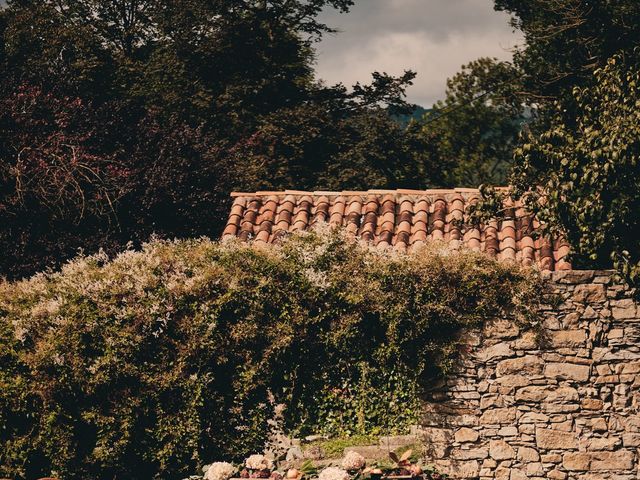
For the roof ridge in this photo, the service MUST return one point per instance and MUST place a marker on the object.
(399, 191)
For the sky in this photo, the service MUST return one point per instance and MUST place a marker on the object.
(432, 37)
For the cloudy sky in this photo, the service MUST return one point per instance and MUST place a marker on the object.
(432, 37)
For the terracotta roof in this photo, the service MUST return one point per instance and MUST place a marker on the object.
(400, 219)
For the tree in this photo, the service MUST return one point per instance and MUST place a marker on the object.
(473, 131)
(181, 101)
(566, 40)
(582, 178)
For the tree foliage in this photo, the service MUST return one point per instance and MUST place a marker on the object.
(159, 361)
(140, 116)
(566, 40)
(589, 170)
(473, 131)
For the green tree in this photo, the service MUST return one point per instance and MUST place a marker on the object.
(566, 40)
(583, 177)
(181, 102)
(472, 132)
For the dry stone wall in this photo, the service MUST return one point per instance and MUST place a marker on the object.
(559, 403)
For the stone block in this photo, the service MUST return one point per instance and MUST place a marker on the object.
(590, 293)
(501, 450)
(568, 338)
(599, 461)
(551, 439)
(498, 416)
(500, 328)
(527, 365)
(528, 454)
(624, 309)
(499, 350)
(567, 371)
(465, 434)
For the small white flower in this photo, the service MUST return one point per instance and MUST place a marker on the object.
(258, 462)
(333, 473)
(219, 471)
(353, 461)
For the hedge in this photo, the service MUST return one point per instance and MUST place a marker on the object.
(155, 362)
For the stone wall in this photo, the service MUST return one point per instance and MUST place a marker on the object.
(559, 403)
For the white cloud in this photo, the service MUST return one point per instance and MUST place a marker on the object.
(432, 37)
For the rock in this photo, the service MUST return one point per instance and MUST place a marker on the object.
(294, 453)
(550, 439)
(501, 450)
(556, 475)
(599, 443)
(599, 461)
(532, 394)
(567, 371)
(528, 454)
(499, 328)
(590, 293)
(568, 338)
(466, 435)
(623, 309)
(513, 381)
(592, 404)
(498, 416)
(529, 364)
(499, 350)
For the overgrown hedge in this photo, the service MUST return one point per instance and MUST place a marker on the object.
(155, 362)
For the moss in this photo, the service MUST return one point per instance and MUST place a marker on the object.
(334, 447)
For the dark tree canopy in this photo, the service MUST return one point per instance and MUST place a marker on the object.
(123, 119)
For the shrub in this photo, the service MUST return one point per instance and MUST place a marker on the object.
(158, 361)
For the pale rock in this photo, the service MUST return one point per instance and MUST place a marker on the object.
(501, 450)
(528, 454)
(465, 434)
(623, 309)
(498, 416)
(529, 364)
(549, 439)
(567, 371)
(568, 338)
(556, 475)
(589, 293)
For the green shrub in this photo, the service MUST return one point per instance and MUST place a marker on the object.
(155, 362)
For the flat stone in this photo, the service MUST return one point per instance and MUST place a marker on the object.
(471, 454)
(499, 328)
(567, 371)
(592, 404)
(568, 338)
(631, 439)
(601, 443)
(556, 475)
(513, 381)
(501, 450)
(598, 461)
(572, 276)
(528, 454)
(551, 439)
(529, 364)
(497, 416)
(624, 309)
(527, 341)
(533, 417)
(499, 350)
(466, 435)
(590, 293)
